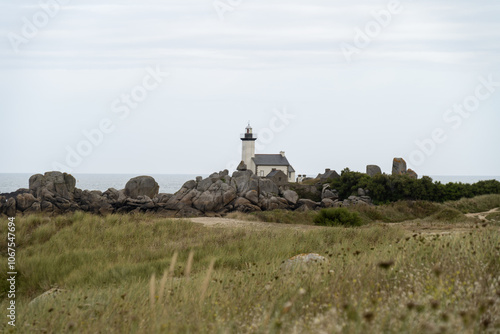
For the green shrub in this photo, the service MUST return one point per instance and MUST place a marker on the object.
(285, 217)
(336, 217)
(385, 188)
(448, 214)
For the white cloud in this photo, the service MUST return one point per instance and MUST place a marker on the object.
(263, 56)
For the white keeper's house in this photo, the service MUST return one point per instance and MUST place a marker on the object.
(263, 164)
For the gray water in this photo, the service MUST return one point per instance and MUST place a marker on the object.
(169, 183)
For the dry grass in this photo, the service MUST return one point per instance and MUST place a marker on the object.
(476, 204)
(276, 216)
(401, 211)
(129, 274)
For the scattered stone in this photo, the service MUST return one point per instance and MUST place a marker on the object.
(52, 293)
(327, 203)
(304, 204)
(411, 173)
(291, 196)
(329, 194)
(303, 261)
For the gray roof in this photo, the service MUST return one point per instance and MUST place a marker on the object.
(274, 172)
(328, 175)
(270, 160)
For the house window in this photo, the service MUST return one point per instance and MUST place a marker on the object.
(261, 173)
(279, 179)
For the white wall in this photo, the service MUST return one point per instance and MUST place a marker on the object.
(264, 170)
(247, 153)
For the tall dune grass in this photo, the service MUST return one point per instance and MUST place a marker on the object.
(135, 274)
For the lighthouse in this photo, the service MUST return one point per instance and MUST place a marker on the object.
(248, 150)
(264, 165)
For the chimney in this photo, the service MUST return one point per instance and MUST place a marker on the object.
(327, 170)
(282, 153)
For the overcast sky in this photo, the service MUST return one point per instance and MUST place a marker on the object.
(323, 81)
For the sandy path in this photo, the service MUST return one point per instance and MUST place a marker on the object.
(237, 223)
(482, 215)
(410, 226)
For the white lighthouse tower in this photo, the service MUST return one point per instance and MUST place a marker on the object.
(248, 150)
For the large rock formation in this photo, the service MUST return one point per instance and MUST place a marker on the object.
(142, 186)
(373, 170)
(398, 166)
(55, 192)
(53, 185)
(220, 193)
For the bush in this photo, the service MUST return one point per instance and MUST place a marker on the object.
(336, 217)
(449, 215)
(285, 217)
(385, 188)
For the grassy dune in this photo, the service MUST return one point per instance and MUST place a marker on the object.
(453, 211)
(134, 273)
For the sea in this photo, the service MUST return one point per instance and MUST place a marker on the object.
(169, 183)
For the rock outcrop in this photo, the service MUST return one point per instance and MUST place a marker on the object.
(411, 173)
(142, 186)
(220, 193)
(52, 185)
(329, 193)
(373, 170)
(398, 166)
(291, 196)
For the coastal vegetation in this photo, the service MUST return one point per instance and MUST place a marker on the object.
(450, 211)
(385, 188)
(337, 217)
(141, 273)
